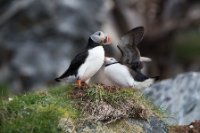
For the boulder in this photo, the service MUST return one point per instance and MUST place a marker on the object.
(179, 96)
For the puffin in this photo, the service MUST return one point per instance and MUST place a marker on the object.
(130, 54)
(117, 74)
(86, 63)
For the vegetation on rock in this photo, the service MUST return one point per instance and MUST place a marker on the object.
(67, 108)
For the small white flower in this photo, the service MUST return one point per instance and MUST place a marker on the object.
(191, 126)
(10, 99)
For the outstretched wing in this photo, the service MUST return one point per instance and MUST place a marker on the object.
(74, 65)
(131, 54)
(127, 45)
(133, 37)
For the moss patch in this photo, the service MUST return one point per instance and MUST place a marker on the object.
(37, 111)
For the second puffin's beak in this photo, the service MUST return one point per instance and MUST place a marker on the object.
(145, 59)
(106, 40)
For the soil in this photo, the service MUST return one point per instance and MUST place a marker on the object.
(194, 127)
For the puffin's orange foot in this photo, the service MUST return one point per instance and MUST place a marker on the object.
(78, 82)
(81, 84)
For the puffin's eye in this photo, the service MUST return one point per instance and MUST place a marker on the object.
(99, 33)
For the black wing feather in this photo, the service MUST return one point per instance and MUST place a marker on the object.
(133, 37)
(140, 76)
(74, 65)
(128, 43)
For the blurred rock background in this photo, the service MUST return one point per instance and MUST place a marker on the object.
(38, 38)
(179, 96)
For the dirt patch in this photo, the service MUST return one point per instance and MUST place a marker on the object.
(194, 127)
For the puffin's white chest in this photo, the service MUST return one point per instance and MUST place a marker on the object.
(92, 64)
(119, 75)
(95, 53)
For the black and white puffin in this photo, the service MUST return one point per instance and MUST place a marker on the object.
(87, 63)
(119, 75)
(131, 54)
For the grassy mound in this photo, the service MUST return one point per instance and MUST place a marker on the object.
(67, 108)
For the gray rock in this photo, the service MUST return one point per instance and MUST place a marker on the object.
(155, 125)
(42, 37)
(180, 96)
(130, 125)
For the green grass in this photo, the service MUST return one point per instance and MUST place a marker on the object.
(98, 93)
(37, 112)
(4, 91)
(41, 111)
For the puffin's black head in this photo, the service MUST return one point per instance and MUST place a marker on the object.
(99, 38)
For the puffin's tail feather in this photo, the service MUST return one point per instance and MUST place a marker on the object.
(66, 74)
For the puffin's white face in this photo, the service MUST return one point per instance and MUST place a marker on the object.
(109, 60)
(100, 38)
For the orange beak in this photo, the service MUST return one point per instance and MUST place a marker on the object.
(109, 40)
(106, 40)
